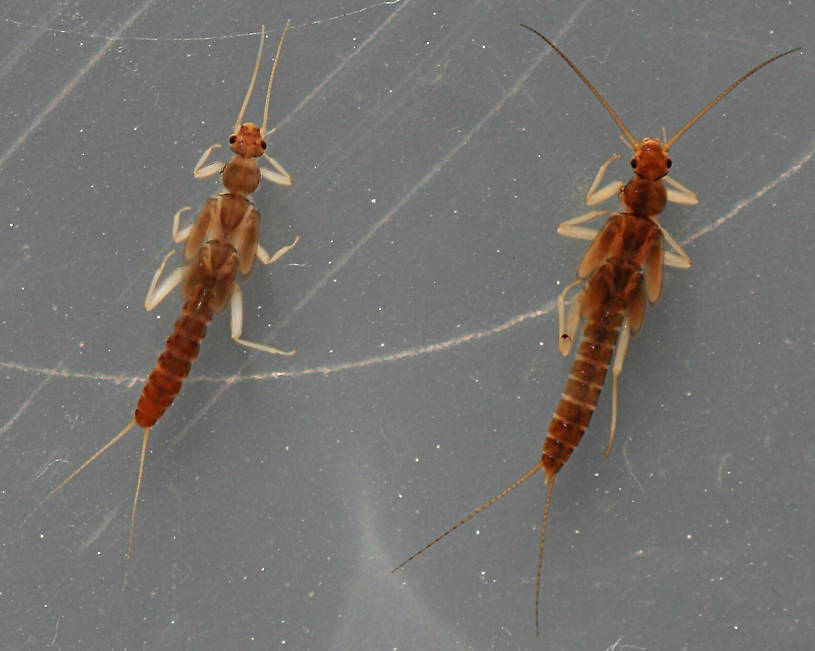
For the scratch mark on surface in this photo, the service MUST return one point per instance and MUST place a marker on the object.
(27, 402)
(344, 62)
(741, 205)
(71, 85)
(127, 380)
(45, 468)
(408, 353)
(629, 467)
(617, 645)
(56, 632)
(25, 44)
(116, 37)
(385, 437)
(106, 520)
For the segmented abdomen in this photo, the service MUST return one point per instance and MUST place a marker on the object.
(173, 364)
(582, 389)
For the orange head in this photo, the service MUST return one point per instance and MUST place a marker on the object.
(650, 160)
(247, 141)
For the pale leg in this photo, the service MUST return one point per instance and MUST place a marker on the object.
(181, 234)
(678, 193)
(616, 369)
(567, 328)
(571, 227)
(277, 175)
(202, 172)
(236, 324)
(158, 293)
(265, 258)
(676, 258)
(595, 196)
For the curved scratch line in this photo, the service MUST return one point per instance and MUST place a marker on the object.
(129, 381)
(59, 372)
(741, 205)
(69, 87)
(222, 37)
(402, 354)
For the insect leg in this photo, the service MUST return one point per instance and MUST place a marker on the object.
(676, 258)
(277, 175)
(567, 328)
(181, 234)
(595, 196)
(265, 258)
(616, 369)
(678, 193)
(571, 227)
(157, 293)
(236, 324)
(202, 172)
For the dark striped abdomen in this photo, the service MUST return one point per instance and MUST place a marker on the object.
(173, 364)
(582, 389)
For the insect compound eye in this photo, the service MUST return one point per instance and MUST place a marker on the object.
(669, 162)
(633, 163)
(232, 139)
(263, 144)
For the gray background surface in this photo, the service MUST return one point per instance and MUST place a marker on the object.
(434, 149)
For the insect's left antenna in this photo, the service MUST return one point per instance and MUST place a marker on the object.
(723, 94)
(249, 90)
(271, 80)
(615, 117)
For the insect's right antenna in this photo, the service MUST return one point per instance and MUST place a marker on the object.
(721, 96)
(251, 83)
(271, 80)
(485, 505)
(631, 139)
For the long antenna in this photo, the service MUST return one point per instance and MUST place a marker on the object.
(251, 83)
(597, 94)
(721, 96)
(271, 78)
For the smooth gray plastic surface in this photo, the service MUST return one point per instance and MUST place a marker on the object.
(434, 149)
